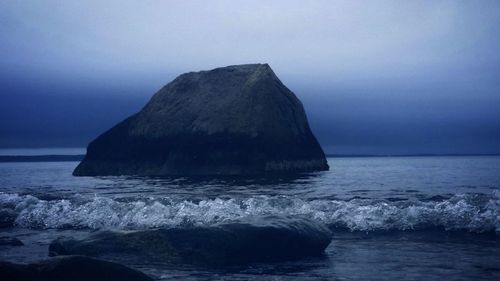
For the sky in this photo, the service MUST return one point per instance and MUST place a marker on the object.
(375, 77)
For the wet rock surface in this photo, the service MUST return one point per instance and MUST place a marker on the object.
(10, 241)
(234, 120)
(260, 239)
(71, 268)
(7, 217)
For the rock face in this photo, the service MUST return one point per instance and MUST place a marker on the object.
(260, 239)
(232, 120)
(70, 268)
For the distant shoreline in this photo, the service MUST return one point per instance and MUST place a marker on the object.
(79, 157)
(40, 158)
(404, 155)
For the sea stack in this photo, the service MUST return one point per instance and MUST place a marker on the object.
(234, 120)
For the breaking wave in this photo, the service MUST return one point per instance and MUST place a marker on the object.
(470, 212)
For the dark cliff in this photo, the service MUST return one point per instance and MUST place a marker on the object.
(228, 121)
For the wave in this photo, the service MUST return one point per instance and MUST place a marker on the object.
(470, 212)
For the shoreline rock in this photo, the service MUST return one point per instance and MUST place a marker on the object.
(69, 268)
(10, 241)
(7, 218)
(263, 239)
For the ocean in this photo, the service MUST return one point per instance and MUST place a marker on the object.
(393, 218)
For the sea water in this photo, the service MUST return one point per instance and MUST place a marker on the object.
(393, 218)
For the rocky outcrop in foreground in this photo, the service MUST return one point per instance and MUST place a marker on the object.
(235, 120)
(69, 268)
(260, 239)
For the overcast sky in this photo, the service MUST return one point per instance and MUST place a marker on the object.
(375, 77)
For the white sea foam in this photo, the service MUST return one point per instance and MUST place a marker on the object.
(461, 212)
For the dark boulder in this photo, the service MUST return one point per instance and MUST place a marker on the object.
(253, 240)
(69, 268)
(232, 120)
(7, 218)
(10, 241)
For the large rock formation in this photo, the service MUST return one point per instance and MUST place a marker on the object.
(232, 120)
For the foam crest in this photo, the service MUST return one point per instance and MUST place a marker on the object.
(477, 213)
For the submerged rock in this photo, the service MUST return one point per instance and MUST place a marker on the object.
(227, 121)
(10, 241)
(253, 240)
(70, 268)
(7, 218)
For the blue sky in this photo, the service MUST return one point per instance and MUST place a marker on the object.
(375, 77)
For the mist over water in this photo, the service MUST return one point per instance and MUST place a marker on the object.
(375, 78)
